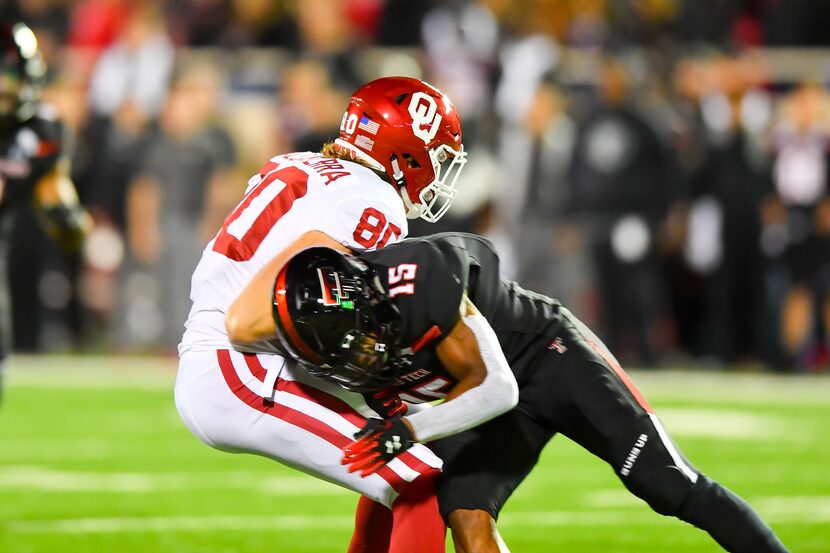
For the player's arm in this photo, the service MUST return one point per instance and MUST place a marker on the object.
(486, 388)
(250, 318)
(57, 205)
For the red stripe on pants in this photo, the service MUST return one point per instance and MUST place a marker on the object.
(294, 417)
(626, 380)
(331, 403)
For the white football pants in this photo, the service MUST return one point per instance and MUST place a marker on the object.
(304, 423)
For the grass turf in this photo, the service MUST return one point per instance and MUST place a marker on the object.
(93, 458)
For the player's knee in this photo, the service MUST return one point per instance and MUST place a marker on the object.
(704, 495)
(473, 530)
(665, 490)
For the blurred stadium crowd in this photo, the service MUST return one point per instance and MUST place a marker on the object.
(661, 166)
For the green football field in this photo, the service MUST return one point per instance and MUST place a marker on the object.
(93, 458)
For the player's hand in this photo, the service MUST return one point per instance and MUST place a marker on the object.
(377, 443)
(386, 404)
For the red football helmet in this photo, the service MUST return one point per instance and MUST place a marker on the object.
(409, 130)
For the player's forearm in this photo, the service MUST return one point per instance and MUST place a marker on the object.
(250, 317)
(497, 393)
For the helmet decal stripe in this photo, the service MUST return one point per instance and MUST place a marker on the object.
(287, 324)
(332, 292)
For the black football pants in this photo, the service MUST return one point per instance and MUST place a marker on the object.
(580, 391)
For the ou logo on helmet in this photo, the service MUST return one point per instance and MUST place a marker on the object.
(424, 112)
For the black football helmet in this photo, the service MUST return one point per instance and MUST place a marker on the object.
(334, 316)
(22, 71)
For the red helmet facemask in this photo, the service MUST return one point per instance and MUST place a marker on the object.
(409, 130)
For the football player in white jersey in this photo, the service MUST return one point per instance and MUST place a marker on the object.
(398, 156)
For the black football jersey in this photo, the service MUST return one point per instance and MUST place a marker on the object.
(28, 151)
(428, 277)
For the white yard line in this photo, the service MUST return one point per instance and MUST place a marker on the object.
(791, 510)
(182, 523)
(727, 424)
(31, 478)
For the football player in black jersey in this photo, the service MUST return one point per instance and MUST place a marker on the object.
(430, 318)
(33, 166)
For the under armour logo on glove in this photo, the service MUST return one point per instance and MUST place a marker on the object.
(377, 443)
(393, 445)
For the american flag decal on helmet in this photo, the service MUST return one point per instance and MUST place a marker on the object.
(368, 125)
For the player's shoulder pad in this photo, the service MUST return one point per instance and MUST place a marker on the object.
(427, 279)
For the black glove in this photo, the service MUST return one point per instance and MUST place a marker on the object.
(386, 404)
(377, 443)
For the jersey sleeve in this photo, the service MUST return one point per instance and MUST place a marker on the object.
(427, 287)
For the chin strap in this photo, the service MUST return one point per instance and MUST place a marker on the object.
(413, 211)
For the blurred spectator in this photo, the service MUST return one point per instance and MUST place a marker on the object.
(198, 22)
(620, 178)
(687, 139)
(524, 59)
(326, 34)
(724, 222)
(797, 226)
(176, 203)
(400, 23)
(93, 26)
(641, 23)
(251, 23)
(312, 107)
(126, 94)
(796, 22)
(549, 240)
(461, 41)
(706, 21)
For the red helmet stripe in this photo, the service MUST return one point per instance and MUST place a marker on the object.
(288, 324)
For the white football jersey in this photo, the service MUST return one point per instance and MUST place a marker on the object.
(293, 194)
